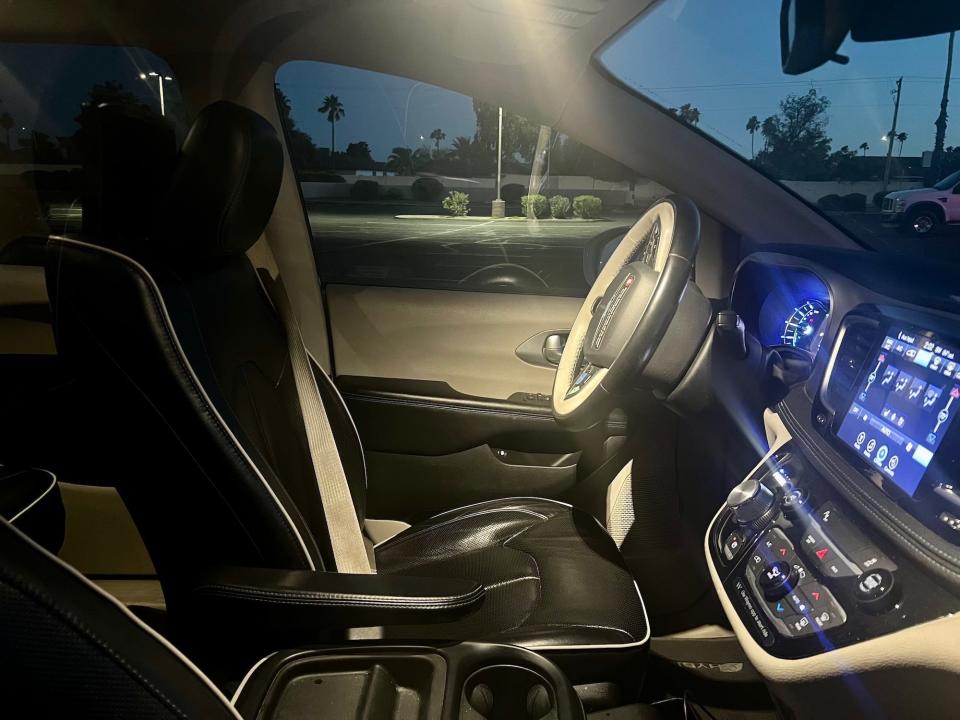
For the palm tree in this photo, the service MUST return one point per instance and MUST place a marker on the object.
(437, 136)
(941, 121)
(864, 146)
(768, 128)
(333, 109)
(405, 161)
(686, 113)
(901, 138)
(6, 122)
(753, 124)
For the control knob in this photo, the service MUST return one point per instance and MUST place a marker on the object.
(753, 504)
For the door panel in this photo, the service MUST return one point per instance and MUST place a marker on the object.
(449, 414)
(468, 340)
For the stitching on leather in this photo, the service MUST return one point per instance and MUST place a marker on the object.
(318, 598)
(862, 500)
(24, 586)
(188, 375)
(503, 583)
(584, 625)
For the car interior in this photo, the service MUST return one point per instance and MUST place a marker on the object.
(470, 359)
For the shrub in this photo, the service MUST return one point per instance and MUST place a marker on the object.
(457, 203)
(855, 202)
(392, 193)
(587, 206)
(512, 192)
(535, 206)
(830, 202)
(426, 188)
(560, 206)
(878, 198)
(365, 190)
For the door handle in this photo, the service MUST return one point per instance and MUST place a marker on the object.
(553, 347)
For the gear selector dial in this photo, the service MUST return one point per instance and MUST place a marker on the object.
(753, 504)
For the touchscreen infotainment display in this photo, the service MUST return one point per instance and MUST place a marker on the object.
(904, 405)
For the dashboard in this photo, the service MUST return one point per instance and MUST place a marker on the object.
(849, 529)
(782, 305)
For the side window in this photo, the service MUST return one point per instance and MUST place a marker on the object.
(400, 184)
(46, 92)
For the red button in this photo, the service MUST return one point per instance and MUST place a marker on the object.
(822, 553)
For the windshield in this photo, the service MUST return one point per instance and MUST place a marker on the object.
(949, 181)
(842, 136)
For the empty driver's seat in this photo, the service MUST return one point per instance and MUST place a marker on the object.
(201, 429)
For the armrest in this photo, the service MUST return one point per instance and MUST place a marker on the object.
(302, 600)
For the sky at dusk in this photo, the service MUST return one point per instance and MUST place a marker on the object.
(720, 56)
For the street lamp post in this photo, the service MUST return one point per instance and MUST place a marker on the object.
(499, 207)
(160, 80)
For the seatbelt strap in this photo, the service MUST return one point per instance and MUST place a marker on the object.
(346, 538)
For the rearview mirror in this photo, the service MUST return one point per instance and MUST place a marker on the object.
(811, 31)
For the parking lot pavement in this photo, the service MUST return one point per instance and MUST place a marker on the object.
(359, 230)
(942, 245)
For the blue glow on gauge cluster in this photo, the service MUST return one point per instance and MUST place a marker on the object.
(795, 310)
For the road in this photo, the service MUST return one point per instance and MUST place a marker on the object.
(943, 245)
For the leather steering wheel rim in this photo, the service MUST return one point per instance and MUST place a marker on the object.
(661, 246)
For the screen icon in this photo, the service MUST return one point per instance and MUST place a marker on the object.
(902, 382)
(935, 362)
(930, 397)
(888, 375)
(888, 342)
(922, 357)
(916, 390)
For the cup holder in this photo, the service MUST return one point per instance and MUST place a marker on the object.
(507, 692)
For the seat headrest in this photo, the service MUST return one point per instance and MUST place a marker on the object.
(128, 155)
(224, 187)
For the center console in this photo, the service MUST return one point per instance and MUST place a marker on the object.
(806, 571)
(455, 681)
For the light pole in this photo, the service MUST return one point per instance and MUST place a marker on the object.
(160, 80)
(892, 135)
(499, 207)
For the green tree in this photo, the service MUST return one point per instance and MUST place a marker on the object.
(404, 161)
(864, 146)
(438, 136)
(936, 166)
(333, 109)
(519, 134)
(687, 113)
(753, 125)
(303, 151)
(796, 146)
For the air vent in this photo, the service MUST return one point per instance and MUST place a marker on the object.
(857, 338)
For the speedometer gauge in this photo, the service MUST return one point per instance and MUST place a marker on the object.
(803, 324)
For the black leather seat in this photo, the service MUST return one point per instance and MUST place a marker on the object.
(201, 430)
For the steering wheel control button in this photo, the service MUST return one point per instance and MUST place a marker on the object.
(753, 504)
(876, 591)
(776, 580)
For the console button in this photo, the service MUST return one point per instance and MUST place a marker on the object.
(877, 591)
(801, 625)
(794, 502)
(776, 546)
(824, 554)
(734, 544)
(776, 579)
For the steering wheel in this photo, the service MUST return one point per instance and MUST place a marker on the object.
(627, 312)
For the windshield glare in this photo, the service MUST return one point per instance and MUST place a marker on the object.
(842, 137)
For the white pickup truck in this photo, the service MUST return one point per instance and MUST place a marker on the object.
(921, 210)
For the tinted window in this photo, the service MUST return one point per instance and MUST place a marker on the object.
(46, 92)
(408, 157)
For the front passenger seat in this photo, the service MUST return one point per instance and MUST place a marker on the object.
(201, 428)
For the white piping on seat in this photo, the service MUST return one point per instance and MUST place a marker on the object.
(53, 484)
(246, 678)
(183, 356)
(142, 625)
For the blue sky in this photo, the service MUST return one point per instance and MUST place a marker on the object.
(723, 56)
